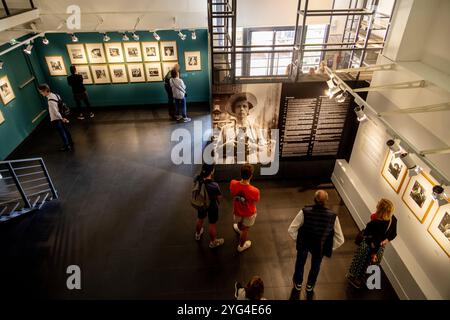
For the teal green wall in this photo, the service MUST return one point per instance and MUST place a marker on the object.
(27, 104)
(197, 82)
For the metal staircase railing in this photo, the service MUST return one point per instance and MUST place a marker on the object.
(25, 185)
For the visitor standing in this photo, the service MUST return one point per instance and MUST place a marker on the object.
(245, 197)
(179, 95)
(168, 89)
(75, 81)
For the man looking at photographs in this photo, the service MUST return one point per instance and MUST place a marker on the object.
(241, 141)
(75, 81)
(169, 92)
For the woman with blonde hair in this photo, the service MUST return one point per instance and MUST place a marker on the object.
(378, 233)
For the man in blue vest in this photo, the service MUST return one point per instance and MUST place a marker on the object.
(317, 230)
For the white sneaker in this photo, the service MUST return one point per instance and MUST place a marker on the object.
(246, 245)
(236, 228)
(186, 119)
(198, 235)
(178, 118)
(216, 243)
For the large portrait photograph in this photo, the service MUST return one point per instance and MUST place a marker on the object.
(95, 52)
(114, 52)
(440, 228)
(56, 66)
(6, 91)
(417, 195)
(242, 118)
(77, 54)
(132, 51)
(394, 171)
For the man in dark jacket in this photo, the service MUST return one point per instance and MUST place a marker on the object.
(79, 93)
(317, 231)
(168, 89)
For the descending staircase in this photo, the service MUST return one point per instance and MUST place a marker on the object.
(25, 186)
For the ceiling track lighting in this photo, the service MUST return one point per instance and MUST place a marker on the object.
(181, 35)
(156, 36)
(135, 36)
(13, 42)
(106, 38)
(28, 48)
(413, 168)
(194, 35)
(439, 195)
(394, 146)
(125, 37)
(74, 38)
(361, 116)
(340, 98)
(45, 41)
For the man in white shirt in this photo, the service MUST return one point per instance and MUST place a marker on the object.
(317, 231)
(56, 118)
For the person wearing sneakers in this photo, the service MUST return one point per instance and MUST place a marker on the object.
(245, 197)
(317, 230)
(75, 81)
(214, 194)
(179, 94)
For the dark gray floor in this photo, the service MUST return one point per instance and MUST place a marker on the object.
(124, 217)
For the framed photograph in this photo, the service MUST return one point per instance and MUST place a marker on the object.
(167, 66)
(56, 65)
(169, 51)
(150, 51)
(86, 73)
(136, 72)
(153, 72)
(77, 54)
(192, 61)
(95, 52)
(394, 171)
(2, 118)
(132, 51)
(100, 73)
(118, 73)
(440, 228)
(6, 91)
(114, 52)
(417, 195)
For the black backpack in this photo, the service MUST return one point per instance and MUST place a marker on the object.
(62, 106)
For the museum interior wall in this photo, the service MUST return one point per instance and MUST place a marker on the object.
(419, 258)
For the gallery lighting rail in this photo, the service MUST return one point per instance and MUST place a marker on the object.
(437, 173)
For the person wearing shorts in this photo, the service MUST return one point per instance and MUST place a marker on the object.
(212, 212)
(245, 197)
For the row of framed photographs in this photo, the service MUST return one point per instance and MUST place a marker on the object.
(417, 196)
(119, 52)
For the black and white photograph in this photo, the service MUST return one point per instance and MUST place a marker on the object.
(6, 92)
(100, 73)
(118, 73)
(114, 52)
(440, 228)
(96, 53)
(169, 51)
(132, 51)
(417, 195)
(444, 226)
(136, 72)
(86, 73)
(394, 171)
(77, 54)
(245, 114)
(150, 51)
(56, 66)
(153, 72)
(192, 61)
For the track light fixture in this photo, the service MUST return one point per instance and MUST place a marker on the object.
(194, 35)
(340, 98)
(394, 146)
(13, 42)
(74, 38)
(181, 35)
(135, 36)
(156, 36)
(413, 168)
(439, 195)
(361, 116)
(45, 41)
(28, 48)
(125, 37)
(106, 38)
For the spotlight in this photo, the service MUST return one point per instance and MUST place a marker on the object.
(181, 35)
(13, 42)
(106, 38)
(340, 98)
(125, 37)
(135, 37)
(28, 49)
(332, 92)
(360, 114)
(414, 169)
(439, 195)
(74, 38)
(45, 41)
(194, 35)
(156, 36)
(394, 146)
(331, 84)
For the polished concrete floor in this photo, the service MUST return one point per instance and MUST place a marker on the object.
(124, 217)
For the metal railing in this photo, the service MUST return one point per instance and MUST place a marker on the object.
(25, 185)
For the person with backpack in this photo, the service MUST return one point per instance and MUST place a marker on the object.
(168, 89)
(206, 195)
(55, 104)
(75, 81)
